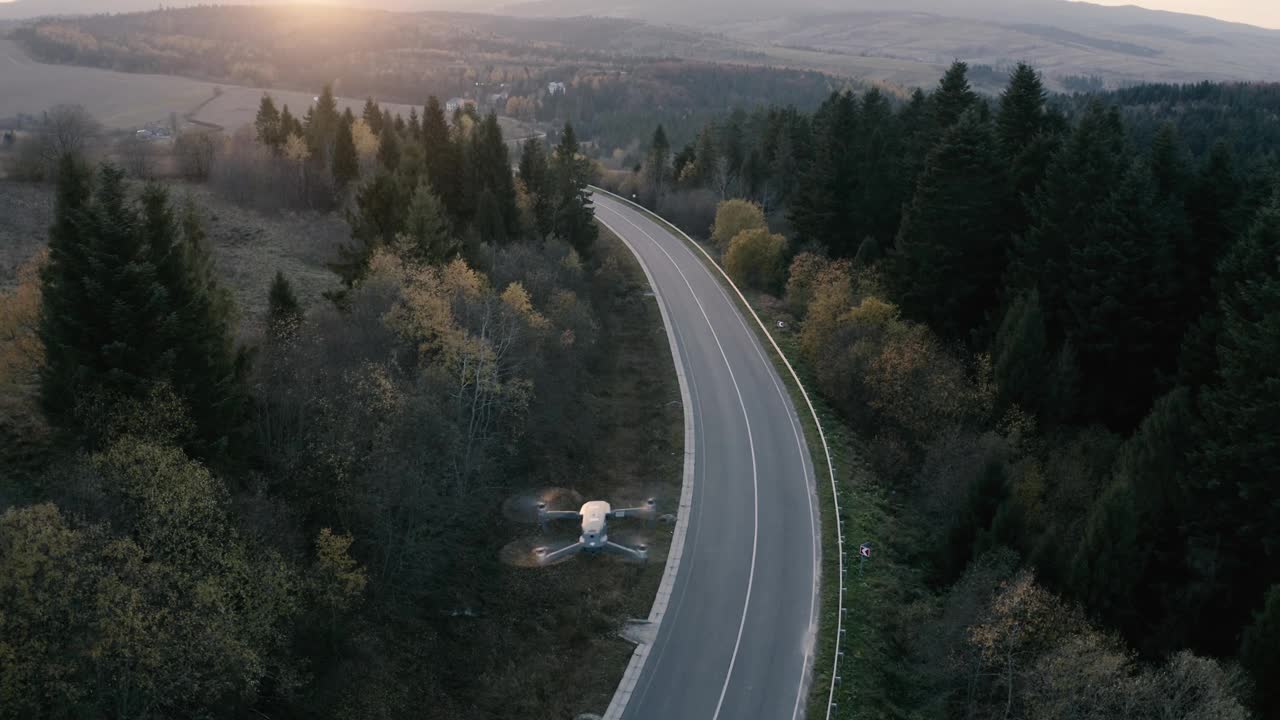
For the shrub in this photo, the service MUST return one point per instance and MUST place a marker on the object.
(733, 217)
(756, 259)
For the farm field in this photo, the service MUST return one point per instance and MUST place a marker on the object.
(122, 101)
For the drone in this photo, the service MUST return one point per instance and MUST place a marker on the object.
(594, 517)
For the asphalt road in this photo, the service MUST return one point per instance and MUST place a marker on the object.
(735, 642)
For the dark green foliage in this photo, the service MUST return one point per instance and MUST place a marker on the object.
(1260, 654)
(950, 252)
(657, 165)
(491, 166)
(321, 126)
(971, 531)
(376, 220)
(1109, 563)
(346, 164)
(427, 230)
(1021, 354)
(389, 150)
(1239, 499)
(574, 218)
(443, 160)
(953, 98)
(372, 115)
(535, 173)
(130, 304)
(272, 132)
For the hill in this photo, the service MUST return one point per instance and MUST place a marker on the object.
(1121, 45)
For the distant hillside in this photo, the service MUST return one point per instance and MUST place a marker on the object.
(1121, 45)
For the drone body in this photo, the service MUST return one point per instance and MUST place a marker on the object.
(594, 517)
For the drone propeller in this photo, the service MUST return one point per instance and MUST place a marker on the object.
(645, 510)
(535, 552)
(525, 506)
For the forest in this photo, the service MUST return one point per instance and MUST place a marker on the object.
(301, 522)
(1051, 326)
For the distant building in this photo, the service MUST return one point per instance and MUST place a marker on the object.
(555, 88)
(457, 104)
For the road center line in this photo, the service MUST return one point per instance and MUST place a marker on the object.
(755, 483)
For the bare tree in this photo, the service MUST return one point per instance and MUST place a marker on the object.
(194, 150)
(67, 130)
(137, 156)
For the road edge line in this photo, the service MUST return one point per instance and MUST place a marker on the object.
(831, 474)
(675, 553)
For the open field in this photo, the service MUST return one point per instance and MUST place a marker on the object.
(127, 100)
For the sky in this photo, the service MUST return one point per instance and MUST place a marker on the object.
(1264, 13)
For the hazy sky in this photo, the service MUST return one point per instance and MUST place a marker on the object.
(1265, 13)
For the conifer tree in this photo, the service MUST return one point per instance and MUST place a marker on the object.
(657, 164)
(427, 230)
(376, 220)
(491, 164)
(1020, 354)
(289, 125)
(389, 149)
(1239, 500)
(822, 211)
(271, 131)
(415, 126)
(953, 98)
(574, 219)
(443, 160)
(322, 124)
(535, 174)
(346, 163)
(950, 251)
(372, 115)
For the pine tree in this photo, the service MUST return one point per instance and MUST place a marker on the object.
(491, 164)
(1021, 116)
(657, 165)
(427, 230)
(1082, 175)
(1121, 284)
(346, 163)
(953, 98)
(950, 253)
(1110, 560)
(376, 220)
(1021, 353)
(574, 218)
(822, 211)
(443, 160)
(389, 149)
(372, 115)
(1239, 500)
(130, 304)
(535, 174)
(322, 125)
(488, 224)
(415, 126)
(283, 309)
(289, 125)
(271, 131)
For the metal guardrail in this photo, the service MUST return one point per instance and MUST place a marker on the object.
(831, 472)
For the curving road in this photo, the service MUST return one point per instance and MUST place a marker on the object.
(736, 618)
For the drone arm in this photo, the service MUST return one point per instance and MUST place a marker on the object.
(640, 555)
(563, 552)
(552, 515)
(645, 511)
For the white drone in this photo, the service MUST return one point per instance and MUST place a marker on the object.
(594, 517)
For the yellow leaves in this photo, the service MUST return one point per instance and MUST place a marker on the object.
(340, 580)
(296, 149)
(755, 258)
(21, 352)
(366, 141)
(517, 298)
(734, 217)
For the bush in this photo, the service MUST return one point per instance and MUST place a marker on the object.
(756, 259)
(734, 217)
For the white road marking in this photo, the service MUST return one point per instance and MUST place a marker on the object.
(803, 452)
(755, 482)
